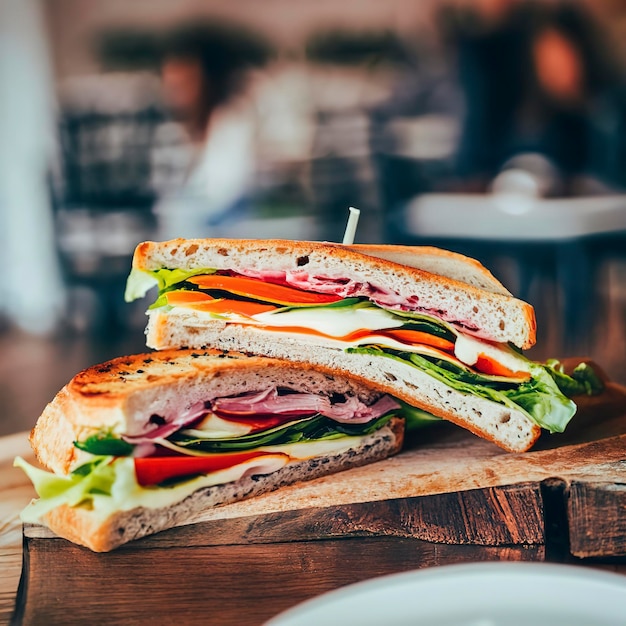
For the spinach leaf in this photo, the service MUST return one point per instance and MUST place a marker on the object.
(314, 428)
(105, 443)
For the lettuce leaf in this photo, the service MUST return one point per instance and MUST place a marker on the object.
(78, 488)
(139, 282)
(583, 381)
(540, 398)
(105, 443)
(346, 302)
(415, 418)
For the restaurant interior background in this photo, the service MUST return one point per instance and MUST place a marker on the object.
(492, 127)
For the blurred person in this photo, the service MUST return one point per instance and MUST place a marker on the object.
(536, 78)
(204, 67)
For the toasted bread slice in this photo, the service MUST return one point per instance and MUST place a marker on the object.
(122, 395)
(437, 261)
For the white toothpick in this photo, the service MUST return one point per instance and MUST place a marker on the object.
(353, 220)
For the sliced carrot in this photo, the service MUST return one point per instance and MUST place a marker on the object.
(240, 307)
(199, 301)
(410, 337)
(488, 365)
(254, 288)
(418, 337)
(176, 298)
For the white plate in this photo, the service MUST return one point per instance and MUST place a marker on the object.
(478, 594)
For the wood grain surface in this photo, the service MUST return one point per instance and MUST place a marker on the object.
(225, 585)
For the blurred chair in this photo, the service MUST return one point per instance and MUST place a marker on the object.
(104, 200)
(565, 240)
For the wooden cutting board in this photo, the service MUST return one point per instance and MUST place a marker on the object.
(449, 497)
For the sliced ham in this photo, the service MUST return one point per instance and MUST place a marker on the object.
(153, 431)
(348, 288)
(299, 404)
(268, 402)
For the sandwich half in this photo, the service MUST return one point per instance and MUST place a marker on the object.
(433, 328)
(142, 443)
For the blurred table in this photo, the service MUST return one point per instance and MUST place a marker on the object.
(565, 240)
(514, 217)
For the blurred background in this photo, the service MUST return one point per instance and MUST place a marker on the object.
(496, 128)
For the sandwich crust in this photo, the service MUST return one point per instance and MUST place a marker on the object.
(437, 261)
(498, 315)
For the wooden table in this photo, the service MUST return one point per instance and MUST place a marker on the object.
(460, 499)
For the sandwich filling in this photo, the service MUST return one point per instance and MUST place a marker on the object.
(360, 317)
(163, 459)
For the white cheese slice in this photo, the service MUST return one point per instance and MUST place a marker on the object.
(214, 427)
(468, 349)
(337, 322)
(333, 321)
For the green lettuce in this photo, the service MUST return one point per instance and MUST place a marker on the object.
(105, 443)
(583, 381)
(415, 418)
(539, 398)
(139, 282)
(103, 486)
(78, 488)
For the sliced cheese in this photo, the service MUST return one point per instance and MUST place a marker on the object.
(333, 321)
(337, 322)
(469, 349)
(214, 427)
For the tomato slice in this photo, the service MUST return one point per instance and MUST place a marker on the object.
(268, 292)
(155, 470)
(488, 365)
